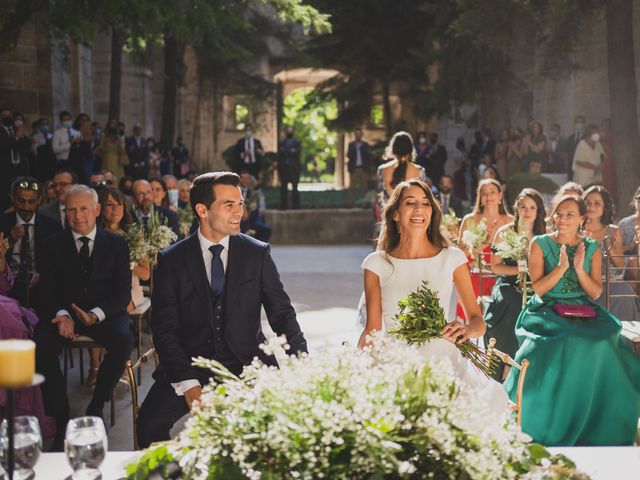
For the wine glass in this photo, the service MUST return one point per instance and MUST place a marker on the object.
(27, 444)
(86, 446)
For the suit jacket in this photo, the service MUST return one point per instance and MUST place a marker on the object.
(137, 154)
(62, 282)
(239, 151)
(352, 155)
(182, 313)
(52, 211)
(43, 229)
(455, 204)
(289, 161)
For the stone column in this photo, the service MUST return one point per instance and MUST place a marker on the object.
(60, 81)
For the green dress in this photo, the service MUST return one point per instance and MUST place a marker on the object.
(583, 382)
(501, 314)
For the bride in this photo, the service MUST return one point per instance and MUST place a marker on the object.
(412, 249)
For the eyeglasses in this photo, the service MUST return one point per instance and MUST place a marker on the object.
(27, 185)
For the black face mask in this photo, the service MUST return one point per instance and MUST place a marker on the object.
(7, 122)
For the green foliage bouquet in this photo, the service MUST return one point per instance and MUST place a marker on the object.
(420, 318)
(139, 250)
(158, 235)
(381, 414)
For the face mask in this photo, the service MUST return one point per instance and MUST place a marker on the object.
(18, 123)
(67, 124)
(422, 140)
(248, 133)
(173, 196)
(595, 137)
(98, 132)
(44, 128)
(579, 126)
(7, 122)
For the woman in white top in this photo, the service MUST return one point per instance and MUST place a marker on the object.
(589, 157)
(412, 249)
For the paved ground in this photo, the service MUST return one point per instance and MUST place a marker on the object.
(324, 284)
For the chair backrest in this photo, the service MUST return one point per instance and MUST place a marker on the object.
(493, 352)
(614, 274)
(133, 388)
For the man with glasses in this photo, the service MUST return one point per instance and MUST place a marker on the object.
(26, 231)
(62, 180)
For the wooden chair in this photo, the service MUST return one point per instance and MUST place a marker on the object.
(137, 316)
(491, 352)
(133, 387)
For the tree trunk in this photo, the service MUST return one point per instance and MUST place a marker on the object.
(386, 106)
(623, 97)
(171, 59)
(115, 80)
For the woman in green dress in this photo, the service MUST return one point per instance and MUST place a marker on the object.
(583, 383)
(506, 298)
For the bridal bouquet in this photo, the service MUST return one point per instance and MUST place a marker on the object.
(158, 234)
(420, 318)
(514, 245)
(139, 249)
(450, 226)
(384, 413)
(185, 219)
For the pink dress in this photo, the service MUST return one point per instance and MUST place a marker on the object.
(18, 322)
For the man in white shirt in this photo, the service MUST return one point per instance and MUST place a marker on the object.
(63, 137)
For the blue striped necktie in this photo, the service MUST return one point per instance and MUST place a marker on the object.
(217, 270)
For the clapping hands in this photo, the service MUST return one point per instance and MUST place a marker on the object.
(578, 259)
(563, 263)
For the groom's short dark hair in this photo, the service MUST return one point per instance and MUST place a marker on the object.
(202, 188)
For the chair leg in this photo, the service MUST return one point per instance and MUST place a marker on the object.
(113, 408)
(139, 345)
(71, 358)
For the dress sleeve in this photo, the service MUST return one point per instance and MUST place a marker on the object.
(456, 257)
(376, 263)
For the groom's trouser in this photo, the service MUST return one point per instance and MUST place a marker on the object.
(162, 408)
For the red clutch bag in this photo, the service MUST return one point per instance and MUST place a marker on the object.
(575, 311)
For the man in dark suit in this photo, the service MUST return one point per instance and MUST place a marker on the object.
(448, 201)
(26, 229)
(209, 289)
(289, 167)
(436, 158)
(86, 287)
(143, 207)
(136, 147)
(62, 180)
(359, 166)
(248, 153)
(572, 142)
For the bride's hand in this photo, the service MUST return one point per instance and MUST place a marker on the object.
(456, 332)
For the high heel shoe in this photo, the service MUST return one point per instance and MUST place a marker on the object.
(91, 378)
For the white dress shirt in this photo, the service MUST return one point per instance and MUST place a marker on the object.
(205, 243)
(92, 239)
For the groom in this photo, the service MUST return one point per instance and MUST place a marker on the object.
(208, 292)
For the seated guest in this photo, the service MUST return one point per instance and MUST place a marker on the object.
(143, 206)
(86, 287)
(62, 180)
(600, 213)
(253, 223)
(506, 298)
(171, 182)
(26, 229)
(583, 387)
(628, 225)
(160, 193)
(184, 186)
(196, 307)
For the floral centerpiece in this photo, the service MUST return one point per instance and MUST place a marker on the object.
(450, 226)
(383, 414)
(158, 235)
(185, 220)
(420, 318)
(474, 237)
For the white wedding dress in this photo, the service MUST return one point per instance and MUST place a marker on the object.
(400, 277)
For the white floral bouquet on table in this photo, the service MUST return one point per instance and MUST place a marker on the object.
(474, 237)
(158, 234)
(384, 413)
(450, 226)
(139, 249)
(185, 219)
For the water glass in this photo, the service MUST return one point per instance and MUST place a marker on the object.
(86, 446)
(27, 444)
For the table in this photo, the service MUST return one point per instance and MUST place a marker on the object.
(601, 463)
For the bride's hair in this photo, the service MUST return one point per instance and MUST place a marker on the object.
(401, 148)
(390, 235)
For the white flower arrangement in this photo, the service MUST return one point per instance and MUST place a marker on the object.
(450, 226)
(514, 245)
(383, 413)
(475, 236)
(158, 235)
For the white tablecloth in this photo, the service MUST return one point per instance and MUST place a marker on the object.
(601, 463)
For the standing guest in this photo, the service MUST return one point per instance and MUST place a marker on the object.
(24, 145)
(86, 287)
(184, 187)
(535, 145)
(136, 148)
(448, 199)
(461, 176)
(160, 193)
(437, 158)
(154, 158)
(81, 157)
(27, 231)
(41, 134)
(516, 152)
(506, 297)
(422, 149)
(195, 309)
(502, 153)
(111, 150)
(62, 180)
(45, 161)
(573, 140)
(255, 207)
(248, 152)
(589, 158)
(598, 225)
(180, 154)
(289, 167)
(144, 207)
(359, 166)
(49, 190)
(585, 387)
(556, 160)
(9, 156)
(608, 165)
(62, 137)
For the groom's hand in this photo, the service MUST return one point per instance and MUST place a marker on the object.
(192, 395)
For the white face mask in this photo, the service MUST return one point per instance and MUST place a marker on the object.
(595, 137)
(173, 196)
(579, 127)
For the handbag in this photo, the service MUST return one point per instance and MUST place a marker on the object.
(575, 311)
